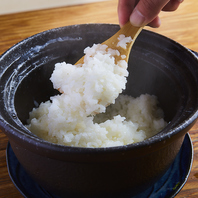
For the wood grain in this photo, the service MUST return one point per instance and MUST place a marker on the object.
(180, 26)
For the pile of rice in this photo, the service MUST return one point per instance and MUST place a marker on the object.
(82, 115)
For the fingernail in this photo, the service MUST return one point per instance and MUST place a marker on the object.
(136, 18)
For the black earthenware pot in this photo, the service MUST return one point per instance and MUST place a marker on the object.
(157, 65)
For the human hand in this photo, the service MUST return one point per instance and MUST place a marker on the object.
(144, 12)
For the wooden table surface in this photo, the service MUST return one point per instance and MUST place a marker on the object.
(181, 26)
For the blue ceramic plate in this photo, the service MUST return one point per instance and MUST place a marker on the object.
(168, 186)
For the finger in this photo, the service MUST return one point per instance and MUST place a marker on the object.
(146, 11)
(172, 5)
(125, 8)
(155, 23)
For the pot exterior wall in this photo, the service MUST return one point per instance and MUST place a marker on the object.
(105, 179)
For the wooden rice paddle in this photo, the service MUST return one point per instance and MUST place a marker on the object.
(127, 30)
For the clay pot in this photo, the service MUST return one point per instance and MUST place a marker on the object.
(157, 65)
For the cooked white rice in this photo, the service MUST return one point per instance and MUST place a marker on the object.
(77, 118)
(123, 41)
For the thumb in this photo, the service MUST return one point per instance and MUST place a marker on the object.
(146, 11)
